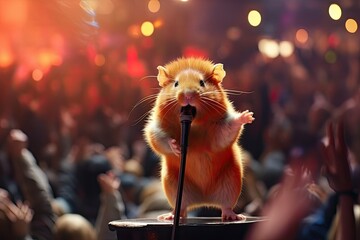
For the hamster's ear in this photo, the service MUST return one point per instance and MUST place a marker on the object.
(162, 76)
(219, 72)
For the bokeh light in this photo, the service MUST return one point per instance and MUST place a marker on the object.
(104, 7)
(254, 18)
(302, 36)
(154, 6)
(158, 23)
(269, 48)
(330, 56)
(351, 25)
(99, 60)
(134, 31)
(147, 28)
(6, 58)
(37, 74)
(335, 11)
(286, 48)
(233, 33)
(47, 58)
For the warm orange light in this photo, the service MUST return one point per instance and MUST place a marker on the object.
(158, 23)
(154, 6)
(99, 60)
(13, 13)
(134, 31)
(6, 58)
(147, 28)
(47, 58)
(254, 18)
(302, 36)
(37, 74)
(351, 25)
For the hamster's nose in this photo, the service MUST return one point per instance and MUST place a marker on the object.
(189, 96)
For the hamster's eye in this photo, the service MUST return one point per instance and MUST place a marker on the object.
(176, 83)
(202, 83)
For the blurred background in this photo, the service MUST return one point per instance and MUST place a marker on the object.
(66, 60)
(70, 69)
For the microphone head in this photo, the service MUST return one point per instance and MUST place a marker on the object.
(187, 112)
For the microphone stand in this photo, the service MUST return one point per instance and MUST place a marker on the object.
(186, 116)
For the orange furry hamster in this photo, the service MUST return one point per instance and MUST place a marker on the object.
(214, 172)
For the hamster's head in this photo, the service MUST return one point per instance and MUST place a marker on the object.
(192, 81)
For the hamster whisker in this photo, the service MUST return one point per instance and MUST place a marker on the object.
(148, 99)
(142, 117)
(169, 105)
(236, 92)
(213, 101)
(155, 88)
(211, 107)
(151, 98)
(206, 106)
(210, 92)
(208, 77)
(213, 104)
(150, 76)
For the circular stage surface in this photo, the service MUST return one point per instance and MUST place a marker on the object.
(198, 228)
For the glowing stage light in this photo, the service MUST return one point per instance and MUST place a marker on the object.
(37, 74)
(99, 60)
(6, 58)
(158, 23)
(254, 18)
(335, 11)
(269, 48)
(154, 6)
(302, 36)
(134, 31)
(351, 25)
(147, 28)
(286, 48)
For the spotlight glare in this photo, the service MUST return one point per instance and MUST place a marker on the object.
(351, 25)
(335, 11)
(254, 18)
(147, 28)
(302, 36)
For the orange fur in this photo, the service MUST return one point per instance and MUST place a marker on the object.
(213, 174)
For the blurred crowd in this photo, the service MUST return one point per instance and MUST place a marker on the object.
(73, 157)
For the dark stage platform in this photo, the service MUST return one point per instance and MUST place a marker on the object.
(189, 229)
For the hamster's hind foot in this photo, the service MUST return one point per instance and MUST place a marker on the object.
(170, 216)
(227, 214)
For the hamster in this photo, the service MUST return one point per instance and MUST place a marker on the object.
(214, 171)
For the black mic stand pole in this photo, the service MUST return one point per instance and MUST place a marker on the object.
(186, 116)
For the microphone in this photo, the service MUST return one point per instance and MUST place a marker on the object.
(187, 113)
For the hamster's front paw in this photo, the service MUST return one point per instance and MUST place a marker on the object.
(174, 147)
(246, 117)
